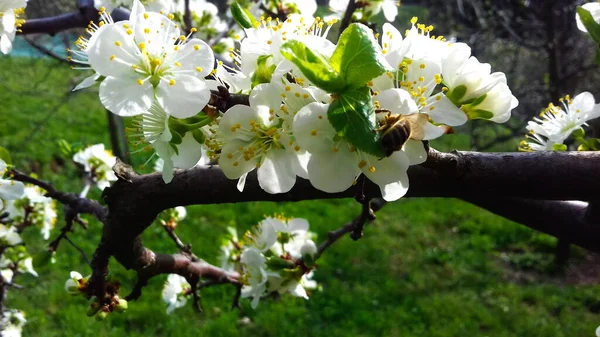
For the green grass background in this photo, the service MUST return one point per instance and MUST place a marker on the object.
(425, 267)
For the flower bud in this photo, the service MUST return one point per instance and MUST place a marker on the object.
(121, 306)
(308, 252)
(277, 263)
(101, 315)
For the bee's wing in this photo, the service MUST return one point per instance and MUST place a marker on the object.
(417, 125)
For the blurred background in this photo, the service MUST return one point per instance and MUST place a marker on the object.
(425, 267)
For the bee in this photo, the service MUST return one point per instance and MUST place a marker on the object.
(395, 130)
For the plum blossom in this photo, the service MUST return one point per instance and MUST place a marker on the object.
(334, 164)
(255, 271)
(269, 258)
(12, 323)
(174, 150)
(253, 139)
(76, 283)
(174, 292)
(556, 124)
(11, 12)
(9, 235)
(42, 210)
(98, 163)
(9, 189)
(146, 58)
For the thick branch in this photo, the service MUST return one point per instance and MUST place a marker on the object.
(562, 219)
(55, 24)
(573, 176)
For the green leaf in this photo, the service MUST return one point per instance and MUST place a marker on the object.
(242, 16)
(264, 71)
(353, 117)
(313, 65)
(42, 259)
(358, 57)
(590, 24)
(559, 147)
(4, 155)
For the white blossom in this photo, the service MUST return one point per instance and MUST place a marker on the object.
(98, 162)
(12, 323)
(174, 292)
(42, 210)
(146, 58)
(253, 139)
(9, 189)
(334, 164)
(11, 12)
(26, 266)
(75, 283)
(255, 271)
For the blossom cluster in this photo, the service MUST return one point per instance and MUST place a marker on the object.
(300, 122)
(556, 124)
(20, 206)
(277, 256)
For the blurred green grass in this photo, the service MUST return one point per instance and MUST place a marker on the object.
(425, 267)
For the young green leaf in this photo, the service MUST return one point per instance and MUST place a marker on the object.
(353, 117)
(358, 57)
(5, 156)
(313, 65)
(242, 16)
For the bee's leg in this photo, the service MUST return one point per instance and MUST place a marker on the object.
(426, 145)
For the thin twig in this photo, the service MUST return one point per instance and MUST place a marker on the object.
(347, 19)
(335, 235)
(81, 251)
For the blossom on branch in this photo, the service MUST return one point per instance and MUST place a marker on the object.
(11, 12)
(276, 256)
(146, 58)
(555, 124)
(174, 292)
(35, 209)
(98, 163)
(9, 189)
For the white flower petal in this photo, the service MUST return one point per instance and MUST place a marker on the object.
(236, 166)
(190, 152)
(184, 98)
(241, 115)
(443, 111)
(312, 129)
(398, 101)
(113, 51)
(87, 82)
(125, 97)
(11, 190)
(297, 224)
(333, 172)
(276, 173)
(197, 57)
(415, 151)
